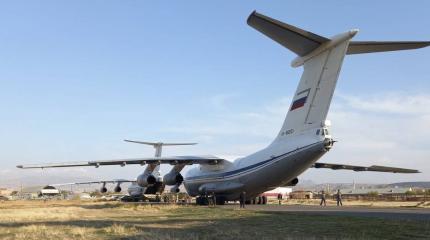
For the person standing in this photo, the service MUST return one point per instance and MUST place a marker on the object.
(280, 198)
(242, 199)
(206, 199)
(213, 199)
(322, 198)
(339, 198)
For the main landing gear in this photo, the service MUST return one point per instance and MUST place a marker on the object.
(209, 200)
(258, 200)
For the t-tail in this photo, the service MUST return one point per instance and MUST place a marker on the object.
(321, 59)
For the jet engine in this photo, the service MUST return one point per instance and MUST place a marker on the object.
(103, 189)
(144, 180)
(292, 182)
(173, 178)
(175, 189)
(117, 189)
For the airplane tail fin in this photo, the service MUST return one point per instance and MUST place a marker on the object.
(321, 59)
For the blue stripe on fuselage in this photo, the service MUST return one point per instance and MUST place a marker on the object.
(226, 174)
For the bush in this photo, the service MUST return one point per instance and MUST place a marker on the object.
(373, 194)
(411, 192)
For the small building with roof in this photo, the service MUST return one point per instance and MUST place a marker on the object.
(391, 194)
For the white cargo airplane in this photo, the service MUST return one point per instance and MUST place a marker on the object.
(304, 137)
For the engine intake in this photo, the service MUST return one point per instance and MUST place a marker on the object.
(103, 189)
(144, 180)
(175, 189)
(292, 182)
(117, 189)
(173, 178)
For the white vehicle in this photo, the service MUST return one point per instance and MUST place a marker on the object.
(49, 191)
(283, 192)
(303, 139)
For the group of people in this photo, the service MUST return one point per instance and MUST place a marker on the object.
(210, 198)
(242, 198)
(338, 198)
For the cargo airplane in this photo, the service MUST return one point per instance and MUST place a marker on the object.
(304, 136)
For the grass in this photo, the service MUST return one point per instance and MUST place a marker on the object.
(89, 220)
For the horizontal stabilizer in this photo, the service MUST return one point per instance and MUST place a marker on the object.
(373, 168)
(159, 143)
(357, 47)
(302, 42)
(299, 41)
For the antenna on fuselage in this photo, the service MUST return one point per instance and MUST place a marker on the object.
(159, 145)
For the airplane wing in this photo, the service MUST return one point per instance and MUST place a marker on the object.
(92, 182)
(373, 168)
(187, 160)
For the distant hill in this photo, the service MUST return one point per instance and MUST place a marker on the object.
(16, 178)
(409, 185)
(332, 186)
(309, 185)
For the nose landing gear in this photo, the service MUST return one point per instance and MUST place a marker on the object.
(328, 144)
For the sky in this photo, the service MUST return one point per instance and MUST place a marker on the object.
(78, 77)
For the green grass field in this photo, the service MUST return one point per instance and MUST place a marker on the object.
(88, 220)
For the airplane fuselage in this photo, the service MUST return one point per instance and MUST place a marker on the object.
(276, 165)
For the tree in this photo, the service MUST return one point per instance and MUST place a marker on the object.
(373, 194)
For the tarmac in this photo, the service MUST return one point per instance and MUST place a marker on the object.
(420, 214)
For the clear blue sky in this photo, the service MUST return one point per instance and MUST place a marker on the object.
(77, 77)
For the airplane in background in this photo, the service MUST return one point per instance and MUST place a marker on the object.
(136, 192)
(304, 136)
(103, 188)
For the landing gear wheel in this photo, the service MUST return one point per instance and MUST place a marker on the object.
(202, 201)
(220, 201)
(264, 200)
(260, 200)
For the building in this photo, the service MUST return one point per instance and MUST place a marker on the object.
(301, 194)
(391, 194)
(6, 191)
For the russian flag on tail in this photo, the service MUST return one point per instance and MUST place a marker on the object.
(301, 98)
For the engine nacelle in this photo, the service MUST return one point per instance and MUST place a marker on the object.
(103, 189)
(173, 178)
(117, 189)
(144, 180)
(293, 182)
(175, 189)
